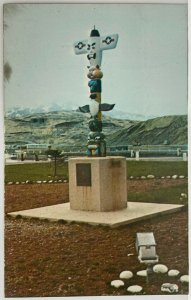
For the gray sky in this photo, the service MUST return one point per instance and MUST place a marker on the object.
(145, 74)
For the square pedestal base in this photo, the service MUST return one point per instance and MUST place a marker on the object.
(98, 184)
(136, 211)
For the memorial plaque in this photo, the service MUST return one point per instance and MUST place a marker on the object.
(83, 174)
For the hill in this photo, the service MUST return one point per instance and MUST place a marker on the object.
(161, 130)
(71, 128)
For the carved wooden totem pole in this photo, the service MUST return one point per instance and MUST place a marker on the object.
(94, 46)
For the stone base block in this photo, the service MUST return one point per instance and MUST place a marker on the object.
(136, 211)
(98, 184)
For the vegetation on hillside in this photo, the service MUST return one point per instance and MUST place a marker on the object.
(168, 129)
(71, 128)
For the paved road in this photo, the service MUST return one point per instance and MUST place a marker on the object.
(18, 162)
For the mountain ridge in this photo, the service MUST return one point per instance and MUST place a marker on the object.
(71, 128)
(20, 111)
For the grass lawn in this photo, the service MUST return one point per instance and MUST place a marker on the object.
(45, 171)
(34, 172)
(157, 168)
(170, 195)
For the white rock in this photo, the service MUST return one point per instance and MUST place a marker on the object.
(142, 273)
(39, 181)
(184, 278)
(169, 287)
(131, 177)
(10, 182)
(59, 180)
(174, 176)
(160, 268)
(150, 176)
(126, 275)
(17, 182)
(117, 283)
(181, 177)
(162, 177)
(183, 195)
(173, 272)
(50, 181)
(134, 289)
(143, 177)
(44, 181)
(168, 177)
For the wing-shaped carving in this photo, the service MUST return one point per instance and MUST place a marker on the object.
(80, 47)
(84, 109)
(108, 42)
(106, 106)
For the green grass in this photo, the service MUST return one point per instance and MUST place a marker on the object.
(157, 168)
(45, 171)
(34, 172)
(170, 195)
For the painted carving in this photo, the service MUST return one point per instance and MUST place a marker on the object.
(95, 45)
(96, 145)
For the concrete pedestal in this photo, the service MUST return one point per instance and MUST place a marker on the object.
(98, 184)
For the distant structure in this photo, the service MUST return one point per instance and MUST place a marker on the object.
(94, 46)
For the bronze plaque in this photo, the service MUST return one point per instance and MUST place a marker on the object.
(83, 175)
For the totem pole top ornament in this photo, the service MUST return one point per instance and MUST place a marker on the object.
(95, 45)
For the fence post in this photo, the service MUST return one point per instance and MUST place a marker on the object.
(137, 155)
(184, 156)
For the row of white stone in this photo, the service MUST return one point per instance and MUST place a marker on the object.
(65, 181)
(162, 177)
(38, 181)
(160, 269)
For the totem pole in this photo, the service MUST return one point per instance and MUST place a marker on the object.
(94, 46)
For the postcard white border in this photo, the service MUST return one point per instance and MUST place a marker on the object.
(145, 297)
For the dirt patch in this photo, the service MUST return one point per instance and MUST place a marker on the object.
(27, 196)
(44, 259)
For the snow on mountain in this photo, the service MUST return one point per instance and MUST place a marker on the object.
(17, 112)
(119, 114)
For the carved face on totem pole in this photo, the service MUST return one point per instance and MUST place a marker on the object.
(95, 45)
(95, 73)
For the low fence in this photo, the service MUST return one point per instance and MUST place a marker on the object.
(129, 151)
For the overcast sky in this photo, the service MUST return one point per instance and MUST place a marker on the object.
(145, 74)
